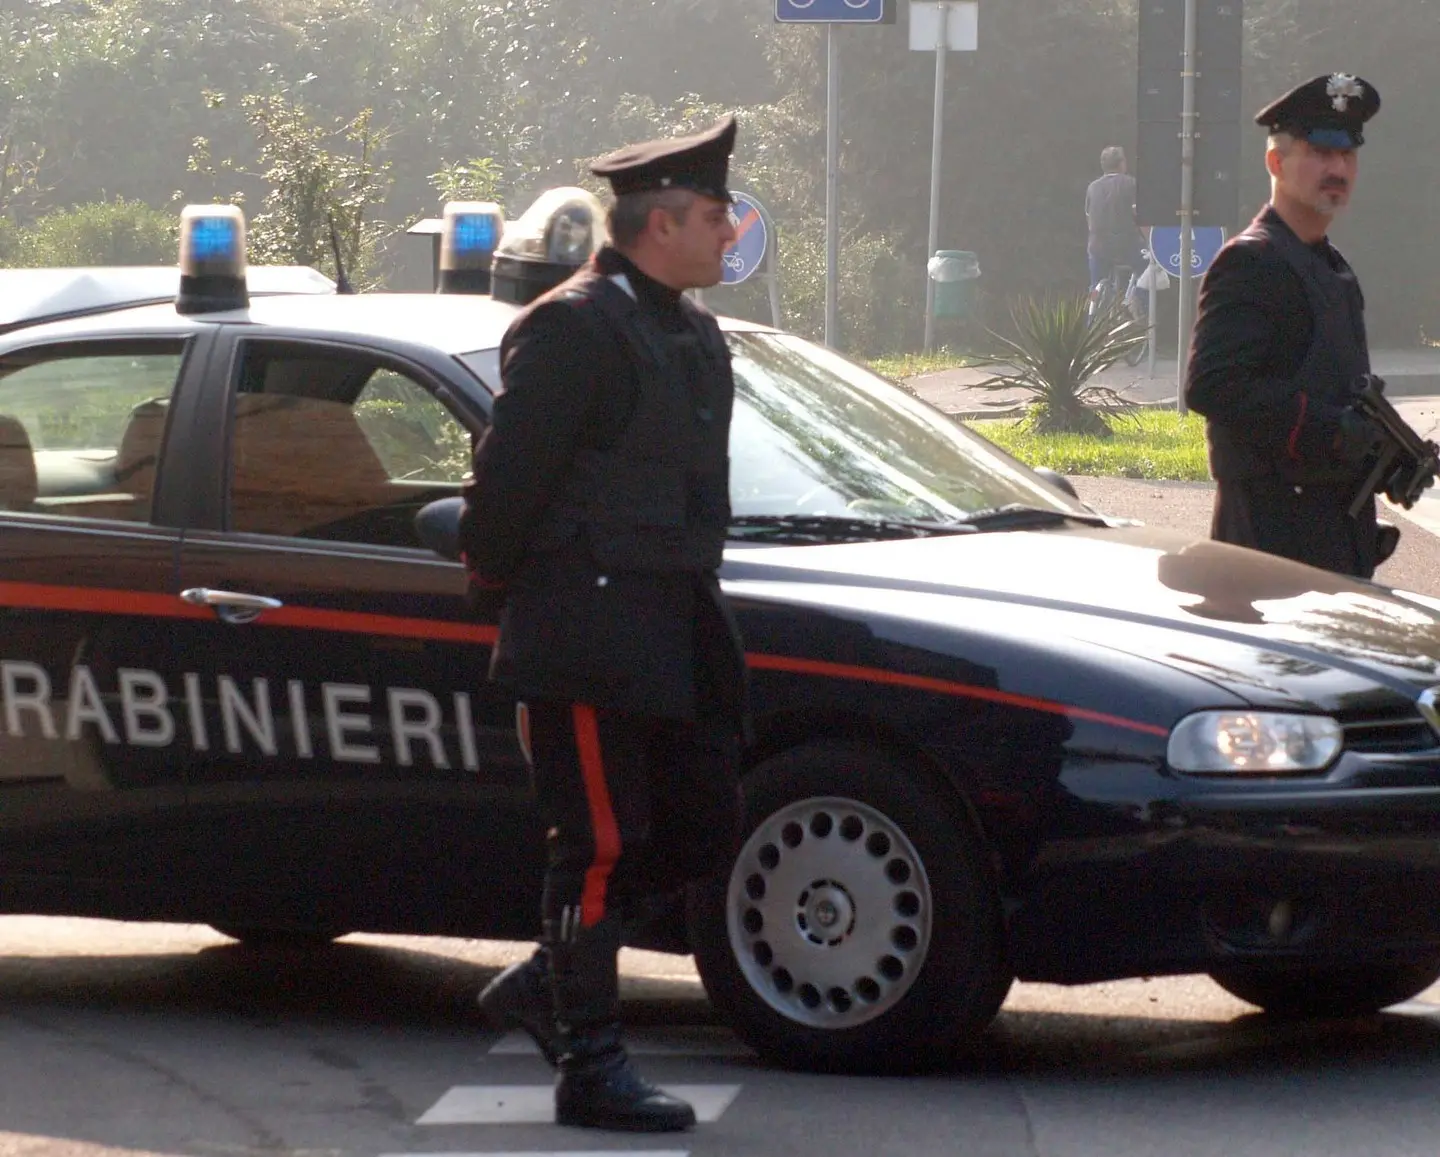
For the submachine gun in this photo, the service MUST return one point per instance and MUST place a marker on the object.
(1406, 465)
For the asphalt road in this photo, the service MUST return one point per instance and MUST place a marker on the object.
(1414, 566)
(1186, 505)
(136, 1040)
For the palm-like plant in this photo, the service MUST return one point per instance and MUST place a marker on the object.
(1058, 347)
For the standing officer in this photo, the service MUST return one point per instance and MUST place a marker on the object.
(1279, 348)
(598, 511)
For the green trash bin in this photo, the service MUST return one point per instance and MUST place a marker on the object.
(956, 273)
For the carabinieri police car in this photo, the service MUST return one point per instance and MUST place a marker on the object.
(997, 734)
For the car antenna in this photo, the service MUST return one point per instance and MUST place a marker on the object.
(342, 283)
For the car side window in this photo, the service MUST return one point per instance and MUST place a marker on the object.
(337, 446)
(82, 428)
(415, 436)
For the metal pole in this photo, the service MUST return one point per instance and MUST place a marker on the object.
(937, 142)
(1187, 203)
(1150, 330)
(770, 263)
(832, 187)
(775, 318)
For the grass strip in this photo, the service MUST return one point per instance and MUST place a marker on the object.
(1154, 444)
(899, 367)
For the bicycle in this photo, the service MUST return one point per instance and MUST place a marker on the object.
(1104, 293)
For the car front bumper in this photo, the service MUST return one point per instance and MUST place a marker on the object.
(1193, 875)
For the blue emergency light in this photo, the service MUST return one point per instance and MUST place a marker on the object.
(470, 232)
(212, 259)
(214, 239)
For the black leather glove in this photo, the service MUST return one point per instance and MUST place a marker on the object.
(1357, 437)
(1364, 381)
(1394, 486)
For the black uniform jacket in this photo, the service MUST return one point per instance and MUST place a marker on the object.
(1279, 345)
(1254, 331)
(649, 640)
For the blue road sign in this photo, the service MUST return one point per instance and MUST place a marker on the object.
(830, 11)
(1205, 244)
(752, 242)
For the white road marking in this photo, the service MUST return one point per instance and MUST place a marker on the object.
(535, 1104)
(697, 1041)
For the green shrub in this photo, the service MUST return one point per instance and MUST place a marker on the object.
(117, 232)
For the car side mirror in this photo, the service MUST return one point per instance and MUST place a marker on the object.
(437, 524)
(1056, 479)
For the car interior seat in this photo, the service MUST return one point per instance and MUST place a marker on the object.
(300, 464)
(19, 481)
(138, 455)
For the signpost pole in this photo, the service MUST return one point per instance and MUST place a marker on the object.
(1187, 203)
(832, 187)
(771, 262)
(937, 143)
(1150, 332)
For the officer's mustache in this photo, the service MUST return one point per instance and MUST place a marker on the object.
(1339, 184)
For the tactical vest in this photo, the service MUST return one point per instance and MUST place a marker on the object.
(1338, 355)
(657, 498)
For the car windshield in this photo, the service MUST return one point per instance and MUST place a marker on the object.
(814, 434)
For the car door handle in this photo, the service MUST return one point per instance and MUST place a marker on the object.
(232, 606)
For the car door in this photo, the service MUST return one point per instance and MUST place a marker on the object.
(362, 770)
(93, 743)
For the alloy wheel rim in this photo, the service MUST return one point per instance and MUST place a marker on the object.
(829, 912)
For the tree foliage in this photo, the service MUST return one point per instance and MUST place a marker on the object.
(385, 109)
(322, 186)
(118, 232)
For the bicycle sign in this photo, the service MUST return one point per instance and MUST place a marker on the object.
(752, 240)
(1206, 243)
(830, 11)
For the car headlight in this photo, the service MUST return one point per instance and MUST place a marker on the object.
(1254, 743)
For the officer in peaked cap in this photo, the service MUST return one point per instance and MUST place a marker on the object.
(1279, 348)
(1329, 112)
(699, 163)
(596, 520)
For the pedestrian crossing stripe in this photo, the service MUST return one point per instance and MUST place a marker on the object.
(535, 1104)
(692, 1042)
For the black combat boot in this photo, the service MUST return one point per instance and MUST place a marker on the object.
(597, 1088)
(520, 998)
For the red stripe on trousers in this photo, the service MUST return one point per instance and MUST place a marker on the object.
(1291, 447)
(602, 817)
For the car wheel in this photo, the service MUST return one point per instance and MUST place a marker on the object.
(256, 937)
(1321, 992)
(858, 929)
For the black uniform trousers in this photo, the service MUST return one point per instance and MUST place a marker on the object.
(1307, 523)
(635, 806)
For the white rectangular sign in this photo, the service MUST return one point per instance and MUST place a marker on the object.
(962, 25)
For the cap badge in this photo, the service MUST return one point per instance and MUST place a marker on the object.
(1342, 89)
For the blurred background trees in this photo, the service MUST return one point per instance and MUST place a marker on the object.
(113, 113)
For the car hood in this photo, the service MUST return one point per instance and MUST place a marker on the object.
(1266, 628)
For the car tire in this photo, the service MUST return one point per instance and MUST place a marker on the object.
(1299, 992)
(281, 938)
(858, 929)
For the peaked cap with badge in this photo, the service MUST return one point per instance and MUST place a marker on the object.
(1329, 111)
(699, 162)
